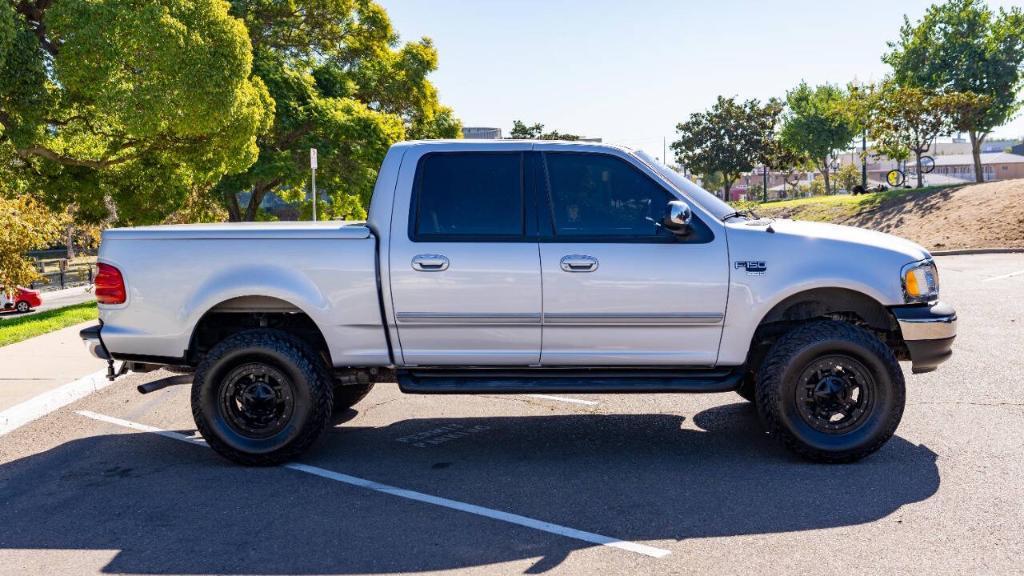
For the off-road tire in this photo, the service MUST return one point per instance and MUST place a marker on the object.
(777, 385)
(311, 387)
(348, 396)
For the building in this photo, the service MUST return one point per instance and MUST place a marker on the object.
(481, 133)
(995, 165)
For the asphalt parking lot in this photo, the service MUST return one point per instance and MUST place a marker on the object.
(577, 484)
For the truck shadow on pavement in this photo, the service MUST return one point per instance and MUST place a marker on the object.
(170, 507)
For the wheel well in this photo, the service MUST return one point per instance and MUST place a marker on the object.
(251, 312)
(824, 303)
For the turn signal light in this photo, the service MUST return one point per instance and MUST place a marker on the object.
(110, 285)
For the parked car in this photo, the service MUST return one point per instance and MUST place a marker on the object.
(22, 300)
(514, 267)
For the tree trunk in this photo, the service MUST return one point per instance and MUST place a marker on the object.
(725, 189)
(917, 162)
(824, 173)
(234, 210)
(71, 243)
(258, 191)
(976, 140)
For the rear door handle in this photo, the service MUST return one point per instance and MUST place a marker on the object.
(430, 263)
(579, 263)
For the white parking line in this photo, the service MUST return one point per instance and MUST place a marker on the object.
(562, 399)
(413, 495)
(34, 408)
(1010, 275)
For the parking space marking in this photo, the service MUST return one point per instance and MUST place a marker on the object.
(1010, 275)
(34, 408)
(413, 495)
(562, 399)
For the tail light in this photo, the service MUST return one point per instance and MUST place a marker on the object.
(110, 285)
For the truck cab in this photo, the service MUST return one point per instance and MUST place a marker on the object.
(526, 266)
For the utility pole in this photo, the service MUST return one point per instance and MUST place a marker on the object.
(312, 166)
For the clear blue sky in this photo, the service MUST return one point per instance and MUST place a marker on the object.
(628, 71)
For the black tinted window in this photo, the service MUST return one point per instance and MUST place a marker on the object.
(469, 195)
(602, 196)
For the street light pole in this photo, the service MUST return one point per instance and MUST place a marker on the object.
(764, 192)
(864, 160)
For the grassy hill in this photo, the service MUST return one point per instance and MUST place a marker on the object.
(989, 215)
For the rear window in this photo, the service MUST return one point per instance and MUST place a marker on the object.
(468, 196)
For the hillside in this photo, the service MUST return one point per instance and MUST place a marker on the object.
(989, 215)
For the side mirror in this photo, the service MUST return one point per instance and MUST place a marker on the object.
(678, 217)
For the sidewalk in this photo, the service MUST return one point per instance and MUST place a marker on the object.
(43, 363)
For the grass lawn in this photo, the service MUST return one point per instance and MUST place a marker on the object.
(834, 208)
(18, 328)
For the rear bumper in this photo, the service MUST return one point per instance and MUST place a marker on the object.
(93, 343)
(928, 331)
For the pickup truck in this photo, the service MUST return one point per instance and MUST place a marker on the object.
(522, 267)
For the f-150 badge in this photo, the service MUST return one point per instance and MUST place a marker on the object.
(753, 267)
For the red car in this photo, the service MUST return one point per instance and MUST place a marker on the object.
(23, 300)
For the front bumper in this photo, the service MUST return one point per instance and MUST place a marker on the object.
(93, 343)
(928, 331)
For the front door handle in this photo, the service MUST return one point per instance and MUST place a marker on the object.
(579, 263)
(430, 263)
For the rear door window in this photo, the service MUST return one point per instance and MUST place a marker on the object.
(470, 196)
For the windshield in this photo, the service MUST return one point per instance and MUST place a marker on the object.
(706, 199)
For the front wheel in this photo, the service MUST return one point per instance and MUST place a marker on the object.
(831, 392)
(262, 397)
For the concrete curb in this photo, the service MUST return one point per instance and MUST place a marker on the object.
(17, 416)
(967, 251)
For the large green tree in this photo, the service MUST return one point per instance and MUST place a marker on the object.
(907, 119)
(341, 83)
(731, 138)
(818, 123)
(120, 108)
(964, 46)
(523, 131)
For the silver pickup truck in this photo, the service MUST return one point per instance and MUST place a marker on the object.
(518, 266)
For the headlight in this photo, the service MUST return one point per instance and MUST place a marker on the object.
(920, 281)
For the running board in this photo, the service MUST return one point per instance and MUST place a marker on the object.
(597, 381)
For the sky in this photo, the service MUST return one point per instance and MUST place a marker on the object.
(628, 71)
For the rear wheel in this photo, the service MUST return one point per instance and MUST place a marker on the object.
(831, 392)
(261, 397)
(22, 307)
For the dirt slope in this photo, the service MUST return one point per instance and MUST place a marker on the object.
(989, 215)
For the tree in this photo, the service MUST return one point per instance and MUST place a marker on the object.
(521, 131)
(120, 110)
(341, 83)
(25, 224)
(847, 177)
(729, 138)
(963, 46)
(907, 120)
(819, 123)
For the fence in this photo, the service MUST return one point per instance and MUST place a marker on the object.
(59, 274)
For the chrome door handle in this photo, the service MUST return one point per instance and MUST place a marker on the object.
(578, 263)
(430, 263)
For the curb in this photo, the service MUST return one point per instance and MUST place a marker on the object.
(34, 408)
(967, 251)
